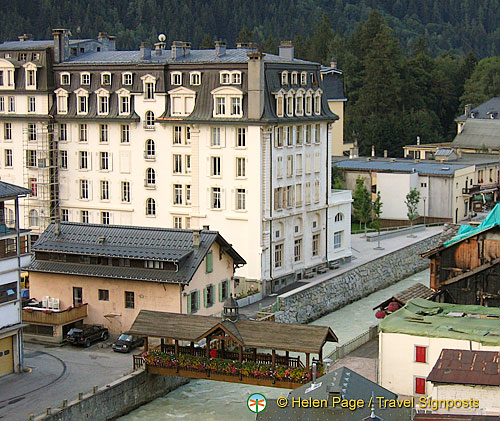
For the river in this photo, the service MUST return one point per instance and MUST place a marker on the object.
(217, 401)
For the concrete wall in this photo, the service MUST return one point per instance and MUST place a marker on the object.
(488, 397)
(393, 188)
(312, 301)
(117, 398)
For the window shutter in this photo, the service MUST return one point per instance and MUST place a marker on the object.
(220, 291)
(188, 304)
(205, 296)
(223, 198)
(420, 385)
(209, 262)
(198, 302)
(420, 354)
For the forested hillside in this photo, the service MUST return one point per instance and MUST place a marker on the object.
(459, 25)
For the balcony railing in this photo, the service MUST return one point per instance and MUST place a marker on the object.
(47, 316)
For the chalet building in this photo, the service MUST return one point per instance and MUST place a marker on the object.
(232, 138)
(14, 253)
(116, 271)
(411, 341)
(464, 269)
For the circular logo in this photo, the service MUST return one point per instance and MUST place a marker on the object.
(256, 403)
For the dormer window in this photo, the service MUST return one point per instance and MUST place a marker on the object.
(6, 75)
(227, 102)
(127, 79)
(289, 104)
(103, 104)
(123, 101)
(106, 79)
(308, 107)
(62, 101)
(85, 79)
(284, 78)
(182, 101)
(23, 56)
(149, 83)
(225, 78)
(317, 102)
(35, 56)
(295, 78)
(280, 104)
(195, 78)
(30, 74)
(236, 78)
(176, 78)
(299, 103)
(65, 79)
(82, 101)
(303, 78)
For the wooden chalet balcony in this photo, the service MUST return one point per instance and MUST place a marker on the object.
(47, 316)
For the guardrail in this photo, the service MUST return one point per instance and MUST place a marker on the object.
(371, 230)
(342, 350)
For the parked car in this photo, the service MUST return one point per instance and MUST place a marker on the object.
(87, 334)
(126, 343)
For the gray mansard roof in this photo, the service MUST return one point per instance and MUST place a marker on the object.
(484, 110)
(479, 134)
(129, 242)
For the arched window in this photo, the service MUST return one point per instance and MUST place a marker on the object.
(149, 120)
(150, 177)
(150, 148)
(150, 207)
(339, 217)
(33, 218)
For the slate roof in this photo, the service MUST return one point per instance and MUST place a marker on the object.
(479, 134)
(333, 85)
(481, 111)
(10, 191)
(143, 243)
(403, 166)
(460, 366)
(26, 45)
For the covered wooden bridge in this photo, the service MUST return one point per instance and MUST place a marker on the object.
(242, 351)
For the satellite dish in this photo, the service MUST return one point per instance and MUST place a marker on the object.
(162, 37)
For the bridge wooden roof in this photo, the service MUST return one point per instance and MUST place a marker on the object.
(248, 333)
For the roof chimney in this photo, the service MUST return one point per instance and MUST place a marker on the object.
(145, 51)
(180, 49)
(220, 48)
(468, 109)
(242, 45)
(418, 140)
(333, 63)
(61, 45)
(57, 227)
(25, 37)
(286, 50)
(373, 150)
(159, 47)
(385, 153)
(206, 227)
(196, 238)
(107, 42)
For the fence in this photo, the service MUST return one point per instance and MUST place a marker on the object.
(342, 350)
(393, 228)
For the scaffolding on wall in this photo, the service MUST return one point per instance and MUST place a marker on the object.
(41, 175)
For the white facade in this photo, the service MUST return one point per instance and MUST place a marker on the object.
(398, 369)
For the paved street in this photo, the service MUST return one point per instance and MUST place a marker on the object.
(57, 374)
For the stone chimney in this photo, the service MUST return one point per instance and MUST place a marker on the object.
(180, 49)
(286, 50)
(159, 47)
(255, 85)
(25, 37)
(107, 41)
(220, 48)
(145, 51)
(333, 63)
(196, 238)
(468, 109)
(61, 45)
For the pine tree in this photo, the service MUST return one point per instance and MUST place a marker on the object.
(207, 43)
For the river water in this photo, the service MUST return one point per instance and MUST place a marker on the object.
(218, 401)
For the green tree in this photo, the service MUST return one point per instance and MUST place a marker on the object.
(411, 202)
(245, 35)
(207, 43)
(484, 82)
(319, 48)
(362, 203)
(377, 214)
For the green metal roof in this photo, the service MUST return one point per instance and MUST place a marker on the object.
(420, 317)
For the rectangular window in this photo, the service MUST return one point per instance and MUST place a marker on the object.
(297, 250)
(34, 186)
(178, 222)
(177, 135)
(215, 166)
(278, 255)
(32, 131)
(104, 295)
(31, 158)
(315, 245)
(420, 385)
(125, 133)
(241, 199)
(317, 161)
(241, 134)
(300, 135)
(126, 191)
(7, 131)
(420, 354)
(63, 159)
(220, 108)
(308, 163)
(235, 106)
(104, 160)
(240, 167)
(84, 216)
(215, 136)
(317, 134)
(31, 78)
(216, 202)
(103, 130)
(223, 290)
(106, 79)
(289, 165)
(104, 190)
(77, 296)
(8, 157)
(124, 105)
(298, 164)
(193, 302)
(188, 164)
(127, 79)
(105, 218)
(84, 162)
(188, 135)
(83, 133)
(298, 195)
(2, 104)
(85, 79)
(289, 196)
(177, 164)
(31, 104)
(209, 261)
(209, 294)
(288, 136)
(308, 193)
(103, 105)
(149, 90)
(308, 134)
(12, 104)
(337, 239)
(316, 191)
(129, 299)
(188, 194)
(177, 194)
(84, 189)
(1, 77)
(82, 104)
(64, 215)
(63, 132)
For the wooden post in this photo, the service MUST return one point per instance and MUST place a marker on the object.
(273, 358)
(162, 346)
(307, 360)
(208, 347)
(255, 354)
(146, 345)
(240, 354)
(192, 348)
(287, 355)
(176, 347)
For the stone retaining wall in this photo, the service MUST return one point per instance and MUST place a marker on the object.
(313, 301)
(117, 398)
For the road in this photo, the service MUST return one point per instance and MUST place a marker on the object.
(58, 373)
